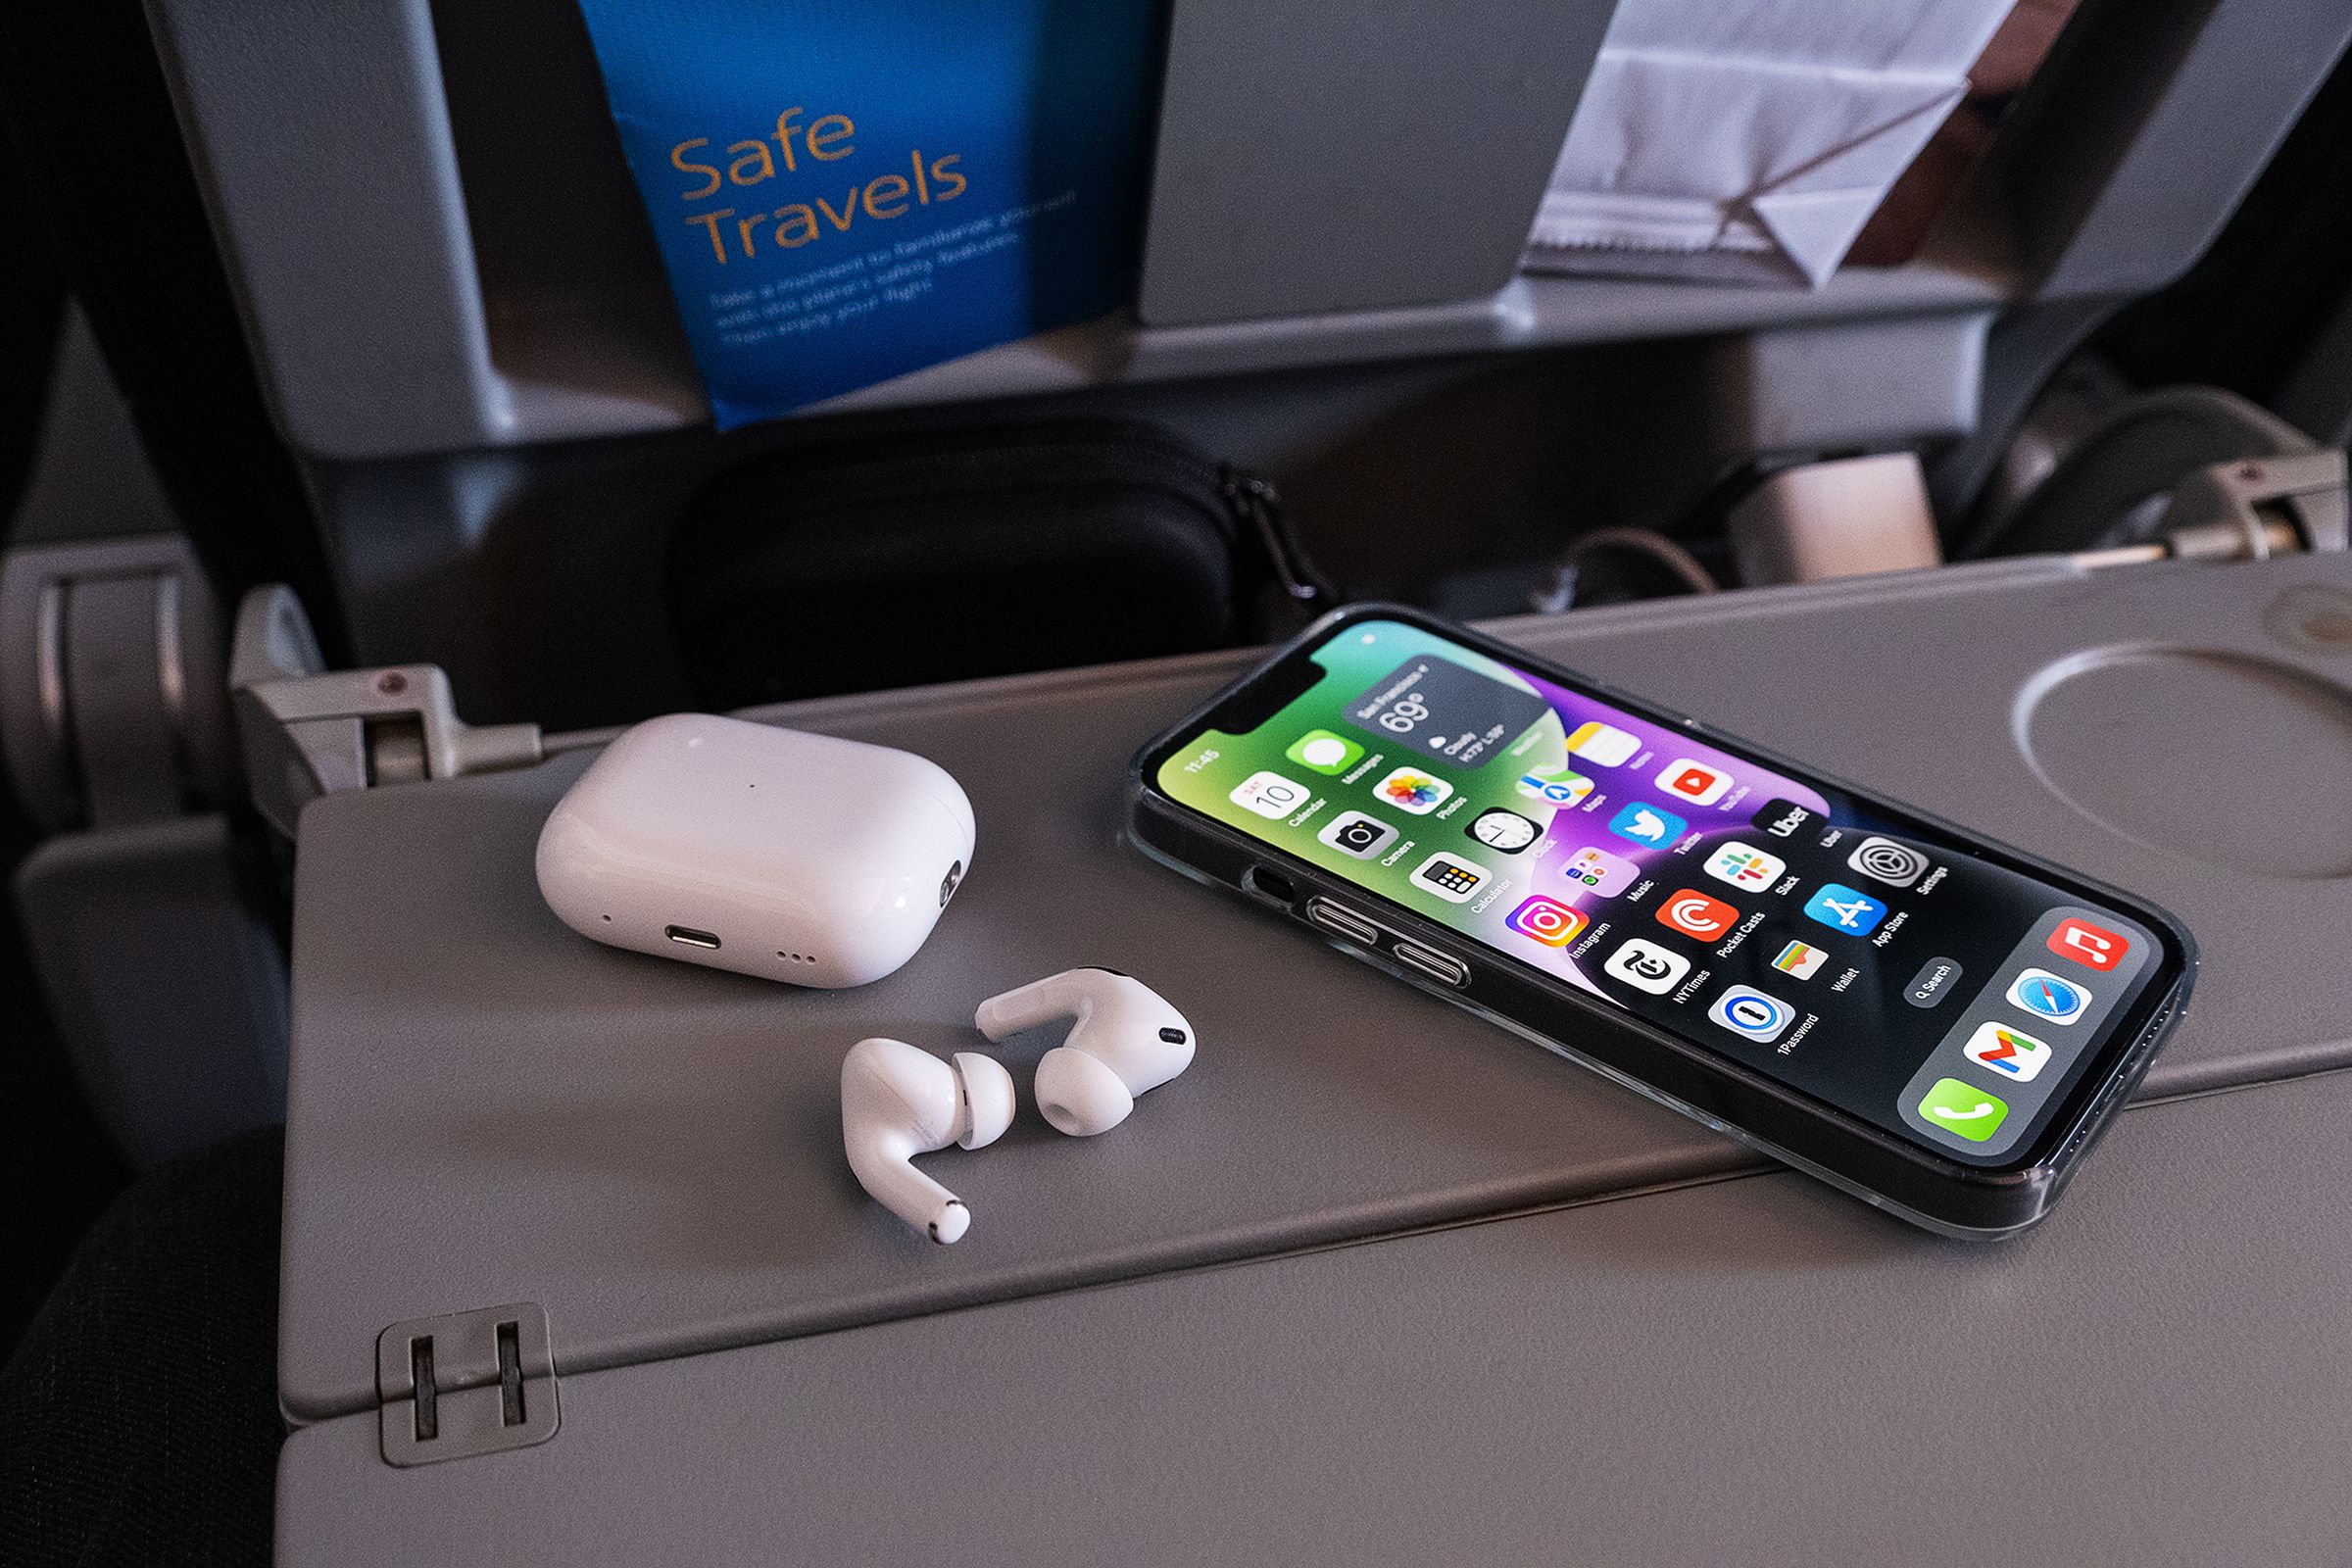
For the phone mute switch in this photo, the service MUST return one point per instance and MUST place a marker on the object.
(1431, 963)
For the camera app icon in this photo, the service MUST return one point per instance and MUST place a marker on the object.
(1353, 833)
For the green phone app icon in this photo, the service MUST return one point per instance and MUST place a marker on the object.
(1324, 752)
(1964, 1111)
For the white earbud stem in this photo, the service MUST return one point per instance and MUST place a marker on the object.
(896, 1103)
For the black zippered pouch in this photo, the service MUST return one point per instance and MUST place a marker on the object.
(977, 552)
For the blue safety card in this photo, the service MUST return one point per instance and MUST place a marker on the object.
(846, 190)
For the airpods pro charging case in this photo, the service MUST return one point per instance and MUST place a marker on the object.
(770, 851)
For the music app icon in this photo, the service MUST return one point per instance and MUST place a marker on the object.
(2092, 945)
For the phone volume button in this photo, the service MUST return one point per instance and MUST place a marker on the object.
(1430, 962)
(1345, 921)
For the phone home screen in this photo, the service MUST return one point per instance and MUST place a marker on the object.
(1879, 966)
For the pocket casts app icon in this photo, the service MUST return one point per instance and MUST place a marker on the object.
(1694, 914)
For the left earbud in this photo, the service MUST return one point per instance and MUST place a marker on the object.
(898, 1102)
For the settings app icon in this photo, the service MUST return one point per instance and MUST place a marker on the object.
(1898, 866)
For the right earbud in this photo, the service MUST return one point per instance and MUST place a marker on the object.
(1126, 1041)
(898, 1102)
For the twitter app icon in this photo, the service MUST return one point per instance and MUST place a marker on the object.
(1652, 825)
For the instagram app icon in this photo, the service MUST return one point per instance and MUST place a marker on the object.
(1546, 920)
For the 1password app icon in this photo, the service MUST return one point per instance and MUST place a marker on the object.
(1963, 1112)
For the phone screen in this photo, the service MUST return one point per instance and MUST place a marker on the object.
(1872, 963)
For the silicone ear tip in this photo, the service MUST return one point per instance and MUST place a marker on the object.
(988, 1090)
(1079, 1095)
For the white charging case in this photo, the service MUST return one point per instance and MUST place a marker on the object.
(769, 852)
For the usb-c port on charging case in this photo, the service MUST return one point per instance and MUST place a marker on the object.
(690, 937)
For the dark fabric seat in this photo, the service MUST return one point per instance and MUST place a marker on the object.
(138, 1415)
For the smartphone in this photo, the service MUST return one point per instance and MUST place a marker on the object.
(1932, 1021)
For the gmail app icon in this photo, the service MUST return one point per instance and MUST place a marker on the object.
(2093, 946)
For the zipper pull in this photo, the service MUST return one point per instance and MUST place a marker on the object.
(1256, 502)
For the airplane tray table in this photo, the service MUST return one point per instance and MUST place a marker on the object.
(485, 1108)
(1752, 1371)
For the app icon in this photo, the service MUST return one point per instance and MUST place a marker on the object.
(1452, 878)
(2090, 945)
(1562, 790)
(1546, 920)
(1413, 791)
(1833, 903)
(1647, 824)
(1962, 1112)
(1354, 833)
(1324, 752)
(1597, 868)
(1897, 866)
(2007, 1052)
(1694, 914)
(1744, 865)
(1507, 831)
(1799, 959)
(1604, 744)
(1647, 966)
(1694, 782)
(1746, 1011)
(1783, 819)
(1270, 795)
(2045, 995)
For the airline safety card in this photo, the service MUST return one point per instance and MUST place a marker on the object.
(846, 193)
